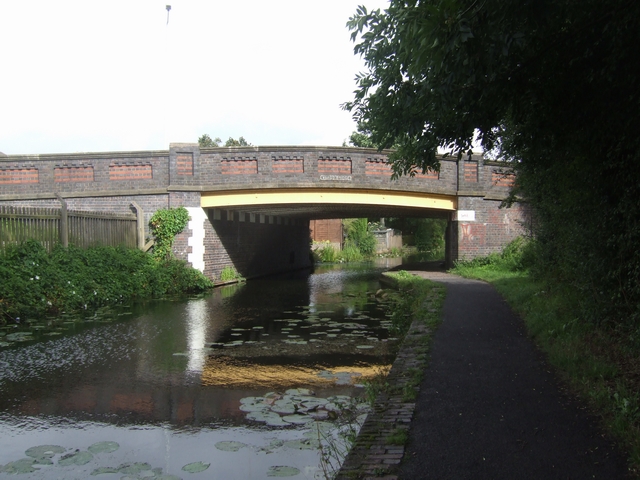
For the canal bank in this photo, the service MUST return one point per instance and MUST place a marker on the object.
(488, 404)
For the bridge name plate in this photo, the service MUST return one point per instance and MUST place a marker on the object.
(336, 178)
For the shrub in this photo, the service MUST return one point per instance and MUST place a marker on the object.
(351, 253)
(36, 284)
(326, 254)
(358, 234)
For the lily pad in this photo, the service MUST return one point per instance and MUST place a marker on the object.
(282, 471)
(46, 451)
(76, 458)
(270, 418)
(103, 447)
(196, 467)
(134, 468)
(296, 419)
(299, 391)
(24, 465)
(104, 470)
(230, 446)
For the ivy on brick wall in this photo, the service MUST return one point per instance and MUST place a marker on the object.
(165, 224)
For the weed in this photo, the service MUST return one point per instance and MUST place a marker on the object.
(375, 385)
(399, 436)
(229, 274)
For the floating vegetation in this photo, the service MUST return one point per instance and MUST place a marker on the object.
(103, 447)
(44, 453)
(134, 468)
(104, 470)
(22, 466)
(76, 458)
(298, 406)
(230, 446)
(282, 471)
(196, 467)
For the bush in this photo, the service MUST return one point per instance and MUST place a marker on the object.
(351, 253)
(326, 254)
(359, 235)
(70, 279)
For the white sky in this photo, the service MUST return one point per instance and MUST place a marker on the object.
(98, 75)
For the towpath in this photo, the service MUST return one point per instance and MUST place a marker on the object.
(490, 407)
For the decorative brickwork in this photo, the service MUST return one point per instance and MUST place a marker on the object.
(428, 175)
(334, 166)
(184, 163)
(19, 175)
(73, 174)
(287, 165)
(470, 172)
(502, 179)
(377, 167)
(239, 166)
(130, 172)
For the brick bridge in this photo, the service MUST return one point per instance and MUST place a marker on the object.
(250, 207)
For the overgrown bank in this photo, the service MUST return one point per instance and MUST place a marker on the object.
(415, 313)
(36, 284)
(598, 360)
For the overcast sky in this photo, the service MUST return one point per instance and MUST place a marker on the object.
(97, 75)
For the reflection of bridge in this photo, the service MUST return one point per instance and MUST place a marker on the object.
(250, 206)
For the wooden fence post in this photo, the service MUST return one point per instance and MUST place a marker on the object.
(64, 222)
(139, 224)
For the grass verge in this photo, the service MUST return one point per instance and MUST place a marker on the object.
(600, 363)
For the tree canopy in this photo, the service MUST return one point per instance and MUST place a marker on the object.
(549, 85)
(206, 141)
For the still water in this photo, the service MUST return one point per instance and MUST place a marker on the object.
(239, 384)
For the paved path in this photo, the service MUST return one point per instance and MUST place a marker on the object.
(489, 407)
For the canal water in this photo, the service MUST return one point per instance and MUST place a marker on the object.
(251, 381)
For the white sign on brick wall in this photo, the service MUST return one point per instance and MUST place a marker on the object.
(466, 215)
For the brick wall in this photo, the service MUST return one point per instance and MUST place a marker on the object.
(492, 228)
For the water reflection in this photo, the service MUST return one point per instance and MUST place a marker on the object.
(153, 373)
(197, 319)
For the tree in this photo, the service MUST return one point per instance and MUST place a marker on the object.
(240, 142)
(543, 84)
(206, 141)
(360, 138)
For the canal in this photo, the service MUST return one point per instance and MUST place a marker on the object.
(251, 381)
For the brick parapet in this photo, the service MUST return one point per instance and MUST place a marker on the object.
(186, 166)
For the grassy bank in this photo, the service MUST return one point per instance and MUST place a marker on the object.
(36, 284)
(599, 362)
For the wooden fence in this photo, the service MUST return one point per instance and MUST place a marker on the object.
(50, 226)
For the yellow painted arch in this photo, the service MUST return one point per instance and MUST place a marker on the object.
(311, 196)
